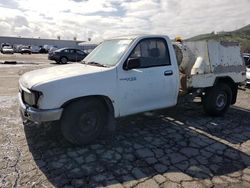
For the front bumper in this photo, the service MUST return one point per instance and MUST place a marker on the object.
(53, 57)
(8, 52)
(37, 115)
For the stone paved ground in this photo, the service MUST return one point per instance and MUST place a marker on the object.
(177, 147)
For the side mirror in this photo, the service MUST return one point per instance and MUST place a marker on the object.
(132, 63)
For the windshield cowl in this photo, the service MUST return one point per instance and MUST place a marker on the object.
(94, 63)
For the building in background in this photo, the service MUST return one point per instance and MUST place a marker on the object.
(35, 43)
(39, 42)
(88, 46)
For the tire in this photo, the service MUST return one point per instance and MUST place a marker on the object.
(217, 99)
(63, 60)
(83, 121)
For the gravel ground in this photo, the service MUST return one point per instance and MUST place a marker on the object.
(176, 147)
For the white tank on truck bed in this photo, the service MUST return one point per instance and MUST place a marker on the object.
(204, 61)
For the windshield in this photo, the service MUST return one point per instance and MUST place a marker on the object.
(7, 47)
(109, 52)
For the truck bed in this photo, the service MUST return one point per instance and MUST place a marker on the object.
(204, 61)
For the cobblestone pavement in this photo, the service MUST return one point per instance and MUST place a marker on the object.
(177, 147)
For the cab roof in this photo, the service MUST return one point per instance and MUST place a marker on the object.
(132, 37)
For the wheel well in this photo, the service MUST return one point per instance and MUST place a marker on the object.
(106, 101)
(229, 81)
(63, 57)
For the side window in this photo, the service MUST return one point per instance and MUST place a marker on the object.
(66, 51)
(72, 51)
(152, 52)
(80, 52)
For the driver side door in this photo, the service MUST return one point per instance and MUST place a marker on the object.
(153, 84)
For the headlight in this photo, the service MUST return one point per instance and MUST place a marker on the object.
(31, 97)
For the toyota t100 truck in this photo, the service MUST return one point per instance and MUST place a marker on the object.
(129, 75)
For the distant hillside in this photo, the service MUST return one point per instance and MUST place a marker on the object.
(240, 35)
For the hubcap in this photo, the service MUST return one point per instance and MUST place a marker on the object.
(64, 60)
(221, 101)
(88, 122)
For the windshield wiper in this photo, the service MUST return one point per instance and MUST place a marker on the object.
(94, 63)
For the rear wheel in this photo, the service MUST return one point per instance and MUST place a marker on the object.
(83, 121)
(217, 99)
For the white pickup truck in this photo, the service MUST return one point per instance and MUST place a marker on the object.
(129, 75)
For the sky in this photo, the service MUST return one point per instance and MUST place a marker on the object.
(101, 19)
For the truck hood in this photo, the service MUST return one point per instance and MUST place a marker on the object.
(36, 77)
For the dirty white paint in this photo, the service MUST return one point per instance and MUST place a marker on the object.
(136, 90)
(123, 87)
(14, 66)
(207, 80)
(219, 59)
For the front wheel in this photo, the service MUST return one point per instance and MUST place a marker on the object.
(217, 99)
(63, 60)
(83, 121)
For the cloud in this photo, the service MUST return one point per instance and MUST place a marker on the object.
(20, 21)
(79, 0)
(107, 18)
(9, 4)
(5, 28)
(196, 17)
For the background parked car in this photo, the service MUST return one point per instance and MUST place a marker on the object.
(17, 48)
(7, 50)
(34, 49)
(248, 75)
(246, 57)
(52, 49)
(3, 45)
(42, 50)
(49, 48)
(64, 55)
(25, 50)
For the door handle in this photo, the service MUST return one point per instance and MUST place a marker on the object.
(168, 72)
